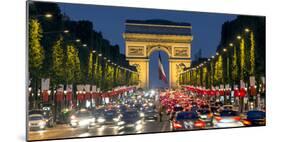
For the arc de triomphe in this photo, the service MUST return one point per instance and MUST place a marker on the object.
(142, 38)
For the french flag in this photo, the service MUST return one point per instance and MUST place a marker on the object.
(162, 75)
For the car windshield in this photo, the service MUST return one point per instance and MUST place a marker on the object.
(110, 112)
(83, 114)
(131, 114)
(186, 115)
(229, 113)
(204, 111)
(35, 118)
(178, 108)
(256, 115)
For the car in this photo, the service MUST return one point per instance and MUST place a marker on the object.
(254, 118)
(36, 122)
(207, 116)
(110, 116)
(187, 120)
(227, 107)
(130, 119)
(47, 115)
(228, 118)
(175, 109)
(82, 119)
(150, 114)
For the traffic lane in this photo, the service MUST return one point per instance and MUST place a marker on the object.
(59, 131)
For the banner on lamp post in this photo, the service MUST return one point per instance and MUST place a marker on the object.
(94, 88)
(45, 84)
(252, 81)
(242, 84)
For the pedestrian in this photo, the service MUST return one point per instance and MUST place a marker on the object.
(160, 113)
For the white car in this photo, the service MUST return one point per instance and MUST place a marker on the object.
(36, 122)
(228, 118)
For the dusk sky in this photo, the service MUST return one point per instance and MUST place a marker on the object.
(206, 28)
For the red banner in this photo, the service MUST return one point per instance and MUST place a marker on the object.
(69, 96)
(242, 92)
(45, 96)
(59, 96)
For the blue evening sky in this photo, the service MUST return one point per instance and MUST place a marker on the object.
(206, 28)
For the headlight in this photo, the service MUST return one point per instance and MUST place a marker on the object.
(100, 120)
(141, 114)
(138, 122)
(116, 119)
(93, 120)
(121, 123)
(72, 117)
(42, 123)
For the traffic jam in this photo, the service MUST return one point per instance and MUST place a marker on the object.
(140, 111)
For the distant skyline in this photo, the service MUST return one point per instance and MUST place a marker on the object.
(206, 27)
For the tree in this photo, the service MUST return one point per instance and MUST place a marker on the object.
(242, 58)
(90, 67)
(72, 68)
(36, 55)
(252, 54)
(58, 62)
(36, 52)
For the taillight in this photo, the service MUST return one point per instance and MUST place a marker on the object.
(177, 125)
(246, 122)
(200, 124)
(237, 118)
(218, 118)
(210, 115)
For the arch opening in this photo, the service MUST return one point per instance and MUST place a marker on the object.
(154, 81)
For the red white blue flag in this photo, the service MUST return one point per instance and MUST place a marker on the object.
(161, 72)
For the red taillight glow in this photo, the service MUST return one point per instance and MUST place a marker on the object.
(210, 115)
(218, 118)
(237, 118)
(177, 125)
(246, 122)
(200, 124)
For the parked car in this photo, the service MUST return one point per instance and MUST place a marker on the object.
(254, 118)
(36, 122)
(228, 118)
(187, 120)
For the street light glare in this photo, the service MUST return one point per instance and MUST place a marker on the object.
(247, 30)
(48, 15)
(224, 49)
(100, 55)
(213, 56)
(94, 51)
(77, 40)
(84, 45)
(231, 44)
(217, 53)
(239, 37)
(66, 31)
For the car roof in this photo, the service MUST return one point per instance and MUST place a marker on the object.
(35, 115)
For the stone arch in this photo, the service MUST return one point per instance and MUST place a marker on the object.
(158, 48)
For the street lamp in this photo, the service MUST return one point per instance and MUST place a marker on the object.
(84, 45)
(217, 53)
(108, 61)
(94, 51)
(238, 37)
(66, 31)
(48, 15)
(247, 30)
(224, 50)
(230, 44)
(213, 57)
(209, 59)
(104, 58)
(77, 40)
(100, 54)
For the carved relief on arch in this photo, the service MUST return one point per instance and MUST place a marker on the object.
(151, 48)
